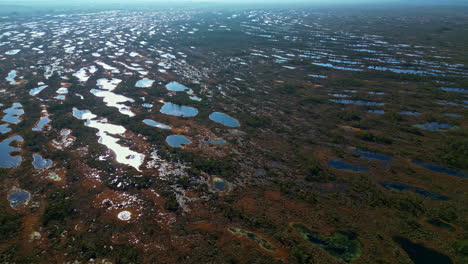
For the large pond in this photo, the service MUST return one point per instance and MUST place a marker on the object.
(420, 254)
(177, 141)
(13, 114)
(224, 119)
(115, 100)
(40, 163)
(109, 136)
(341, 165)
(6, 160)
(178, 110)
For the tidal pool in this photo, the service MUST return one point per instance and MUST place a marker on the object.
(435, 126)
(178, 110)
(36, 91)
(18, 197)
(6, 160)
(440, 169)
(42, 122)
(355, 102)
(224, 119)
(40, 163)
(342, 245)
(389, 185)
(420, 254)
(144, 83)
(152, 123)
(341, 165)
(177, 141)
(11, 77)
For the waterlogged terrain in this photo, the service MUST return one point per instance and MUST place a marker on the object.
(233, 135)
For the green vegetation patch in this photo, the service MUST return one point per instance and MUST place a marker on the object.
(262, 242)
(342, 245)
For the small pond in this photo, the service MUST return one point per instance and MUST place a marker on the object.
(18, 197)
(440, 169)
(441, 224)
(36, 91)
(11, 77)
(371, 155)
(435, 126)
(176, 87)
(224, 119)
(355, 102)
(178, 110)
(40, 163)
(152, 123)
(341, 165)
(177, 141)
(6, 160)
(144, 83)
(13, 114)
(389, 185)
(42, 122)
